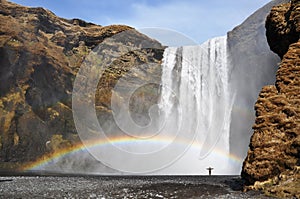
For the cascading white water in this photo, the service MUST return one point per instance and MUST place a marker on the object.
(198, 78)
(195, 111)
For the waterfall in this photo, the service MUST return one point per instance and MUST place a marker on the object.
(191, 127)
(195, 84)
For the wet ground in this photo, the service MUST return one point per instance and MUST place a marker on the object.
(123, 187)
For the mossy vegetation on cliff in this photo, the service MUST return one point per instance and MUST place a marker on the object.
(273, 159)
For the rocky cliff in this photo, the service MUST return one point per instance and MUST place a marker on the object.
(252, 64)
(273, 158)
(40, 55)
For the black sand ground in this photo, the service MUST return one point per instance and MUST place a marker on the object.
(123, 187)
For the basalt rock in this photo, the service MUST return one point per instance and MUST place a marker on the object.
(282, 27)
(250, 57)
(40, 55)
(274, 149)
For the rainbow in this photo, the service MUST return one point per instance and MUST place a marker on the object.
(79, 148)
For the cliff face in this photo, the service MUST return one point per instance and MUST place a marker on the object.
(250, 58)
(40, 55)
(283, 27)
(273, 158)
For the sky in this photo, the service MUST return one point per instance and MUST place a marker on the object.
(199, 20)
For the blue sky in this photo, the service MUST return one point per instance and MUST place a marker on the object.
(197, 19)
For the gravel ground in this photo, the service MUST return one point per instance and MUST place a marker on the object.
(123, 187)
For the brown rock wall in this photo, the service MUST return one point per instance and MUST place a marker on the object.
(274, 148)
